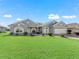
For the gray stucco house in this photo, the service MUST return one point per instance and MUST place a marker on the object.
(35, 28)
(73, 28)
(25, 26)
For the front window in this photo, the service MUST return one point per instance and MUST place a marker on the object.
(19, 30)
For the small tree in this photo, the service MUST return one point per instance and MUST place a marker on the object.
(38, 32)
(25, 33)
(17, 30)
(50, 34)
(17, 34)
(62, 35)
(11, 33)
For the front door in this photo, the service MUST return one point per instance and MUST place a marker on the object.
(69, 31)
(33, 31)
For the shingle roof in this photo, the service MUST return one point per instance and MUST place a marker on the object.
(73, 25)
(60, 25)
(27, 22)
(61, 22)
(51, 23)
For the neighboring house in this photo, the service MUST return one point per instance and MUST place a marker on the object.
(3, 28)
(73, 28)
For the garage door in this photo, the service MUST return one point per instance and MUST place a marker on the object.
(60, 31)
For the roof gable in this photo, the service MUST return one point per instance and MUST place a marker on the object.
(60, 25)
(73, 25)
(49, 24)
(26, 22)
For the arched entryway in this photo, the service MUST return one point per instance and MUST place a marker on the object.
(69, 31)
(33, 32)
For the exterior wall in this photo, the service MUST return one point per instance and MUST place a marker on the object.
(28, 30)
(19, 26)
(60, 28)
(2, 29)
(25, 29)
(39, 29)
(45, 30)
(60, 31)
(51, 29)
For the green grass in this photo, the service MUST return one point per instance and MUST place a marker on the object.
(26, 47)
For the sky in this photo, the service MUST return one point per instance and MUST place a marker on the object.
(39, 10)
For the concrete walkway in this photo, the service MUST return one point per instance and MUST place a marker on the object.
(76, 38)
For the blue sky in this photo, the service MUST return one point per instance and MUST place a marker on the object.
(39, 10)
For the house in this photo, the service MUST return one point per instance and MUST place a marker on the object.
(23, 26)
(30, 27)
(73, 28)
(3, 28)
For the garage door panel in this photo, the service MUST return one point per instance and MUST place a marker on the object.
(60, 31)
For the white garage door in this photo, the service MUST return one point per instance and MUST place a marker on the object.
(60, 31)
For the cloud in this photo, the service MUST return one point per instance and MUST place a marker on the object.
(69, 17)
(18, 19)
(7, 16)
(53, 17)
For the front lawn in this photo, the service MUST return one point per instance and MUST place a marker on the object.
(26, 47)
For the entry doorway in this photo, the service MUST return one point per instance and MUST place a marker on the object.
(69, 31)
(33, 32)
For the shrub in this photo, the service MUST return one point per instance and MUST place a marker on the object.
(50, 34)
(62, 35)
(0, 32)
(43, 34)
(11, 33)
(17, 34)
(32, 34)
(77, 33)
(38, 32)
(25, 33)
(7, 29)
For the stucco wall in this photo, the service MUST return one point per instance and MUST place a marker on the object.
(45, 30)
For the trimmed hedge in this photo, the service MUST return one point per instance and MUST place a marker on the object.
(25, 33)
(50, 34)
